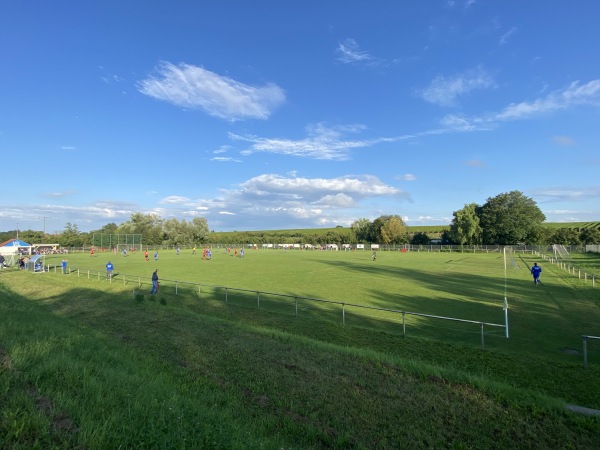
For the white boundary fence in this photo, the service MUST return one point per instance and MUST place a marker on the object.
(345, 307)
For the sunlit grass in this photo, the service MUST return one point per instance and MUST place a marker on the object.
(90, 364)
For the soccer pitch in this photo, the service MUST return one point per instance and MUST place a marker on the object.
(546, 319)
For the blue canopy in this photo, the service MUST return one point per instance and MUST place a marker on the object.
(15, 243)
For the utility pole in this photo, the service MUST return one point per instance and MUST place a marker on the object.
(44, 223)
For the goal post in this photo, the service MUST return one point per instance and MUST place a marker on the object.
(120, 241)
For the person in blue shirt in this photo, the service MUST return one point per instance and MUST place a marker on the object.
(64, 266)
(156, 256)
(536, 271)
(109, 270)
(154, 282)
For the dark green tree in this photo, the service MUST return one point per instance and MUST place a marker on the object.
(565, 236)
(590, 236)
(71, 236)
(420, 238)
(509, 218)
(465, 227)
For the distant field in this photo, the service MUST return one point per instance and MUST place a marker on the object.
(465, 286)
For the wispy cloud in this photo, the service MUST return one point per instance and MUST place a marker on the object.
(506, 36)
(575, 94)
(408, 177)
(563, 140)
(445, 90)
(349, 53)
(225, 159)
(322, 143)
(190, 86)
(569, 194)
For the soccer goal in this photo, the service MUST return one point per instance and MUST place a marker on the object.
(560, 252)
(509, 259)
(120, 241)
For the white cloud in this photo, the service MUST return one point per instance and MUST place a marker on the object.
(225, 159)
(573, 95)
(322, 143)
(190, 86)
(567, 194)
(350, 52)
(409, 177)
(444, 91)
(175, 199)
(506, 36)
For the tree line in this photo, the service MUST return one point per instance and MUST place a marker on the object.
(506, 219)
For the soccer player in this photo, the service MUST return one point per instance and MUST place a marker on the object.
(156, 256)
(109, 270)
(64, 266)
(146, 255)
(536, 271)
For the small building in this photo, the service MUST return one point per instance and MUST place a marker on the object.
(15, 247)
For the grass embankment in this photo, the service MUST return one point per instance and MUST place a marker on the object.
(85, 364)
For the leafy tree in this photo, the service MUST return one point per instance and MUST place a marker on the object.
(392, 229)
(509, 218)
(71, 236)
(148, 225)
(420, 238)
(199, 230)
(361, 229)
(565, 236)
(590, 236)
(465, 227)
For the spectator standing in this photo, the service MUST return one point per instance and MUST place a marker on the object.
(154, 282)
(109, 270)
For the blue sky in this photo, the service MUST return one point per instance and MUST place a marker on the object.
(261, 115)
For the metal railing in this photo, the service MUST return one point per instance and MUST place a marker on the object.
(345, 306)
(585, 339)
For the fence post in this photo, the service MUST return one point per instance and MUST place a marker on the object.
(88, 274)
(139, 282)
(343, 314)
(225, 295)
(585, 364)
(296, 302)
(257, 300)
(403, 324)
(77, 273)
(482, 339)
(176, 287)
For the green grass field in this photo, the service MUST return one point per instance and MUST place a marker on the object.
(85, 363)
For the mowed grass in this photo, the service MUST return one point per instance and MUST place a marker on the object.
(547, 319)
(89, 364)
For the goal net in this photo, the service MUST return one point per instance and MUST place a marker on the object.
(120, 241)
(509, 259)
(560, 252)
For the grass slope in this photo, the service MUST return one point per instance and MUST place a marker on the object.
(85, 364)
